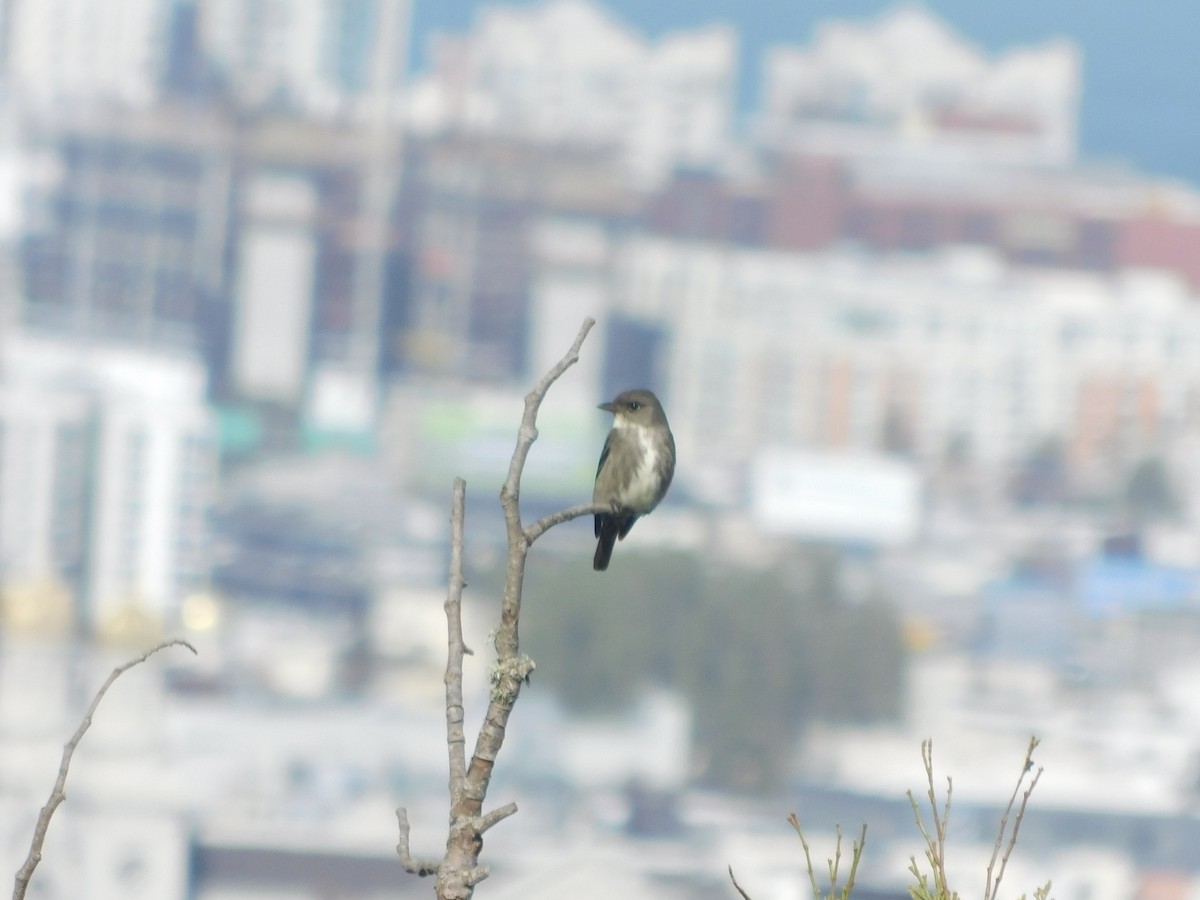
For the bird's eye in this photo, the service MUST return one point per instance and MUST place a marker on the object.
(634, 405)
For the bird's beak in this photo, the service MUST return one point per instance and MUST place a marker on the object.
(607, 407)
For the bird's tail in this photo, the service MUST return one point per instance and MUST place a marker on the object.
(604, 546)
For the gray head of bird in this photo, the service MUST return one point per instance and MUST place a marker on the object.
(635, 407)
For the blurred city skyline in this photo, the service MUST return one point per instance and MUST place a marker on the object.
(919, 287)
(1140, 63)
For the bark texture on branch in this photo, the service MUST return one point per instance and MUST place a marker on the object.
(459, 870)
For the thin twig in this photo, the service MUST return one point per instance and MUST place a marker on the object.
(794, 821)
(533, 401)
(857, 848)
(940, 822)
(497, 815)
(544, 524)
(835, 863)
(935, 844)
(58, 795)
(737, 886)
(402, 848)
(990, 886)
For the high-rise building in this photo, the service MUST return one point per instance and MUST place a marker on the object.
(276, 251)
(914, 355)
(322, 57)
(904, 84)
(107, 472)
(247, 242)
(86, 51)
(316, 270)
(125, 229)
(565, 72)
(470, 212)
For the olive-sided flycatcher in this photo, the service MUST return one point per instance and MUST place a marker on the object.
(635, 468)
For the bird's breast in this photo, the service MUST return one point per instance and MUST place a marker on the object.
(645, 487)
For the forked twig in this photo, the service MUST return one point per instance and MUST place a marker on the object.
(990, 886)
(459, 871)
(935, 844)
(834, 864)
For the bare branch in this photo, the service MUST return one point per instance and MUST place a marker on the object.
(459, 870)
(794, 821)
(857, 847)
(992, 887)
(406, 859)
(456, 739)
(836, 862)
(511, 669)
(544, 524)
(58, 795)
(940, 823)
(533, 402)
(737, 886)
(496, 816)
(935, 844)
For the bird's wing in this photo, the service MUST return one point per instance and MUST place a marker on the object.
(599, 519)
(604, 453)
(667, 465)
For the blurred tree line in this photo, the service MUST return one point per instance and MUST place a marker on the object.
(757, 653)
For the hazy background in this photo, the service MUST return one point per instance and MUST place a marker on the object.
(1140, 64)
(917, 285)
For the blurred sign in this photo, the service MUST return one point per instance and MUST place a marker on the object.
(846, 497)
(1113, 586)
(475, 437)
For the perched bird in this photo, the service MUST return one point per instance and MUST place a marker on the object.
(635, 468)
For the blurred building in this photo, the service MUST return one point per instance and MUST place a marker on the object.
(565, 72)
(153, 201)
(276, 248)
(322, 58)
(471, 212)
(896, 134)
(84, 52)
(1093, 218)
(922, 356)
(125, 227)
(855, 499)
(903, 84)
(108, 472)
(247, 242)
(301, 245)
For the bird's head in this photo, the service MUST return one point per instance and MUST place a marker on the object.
(638, 407)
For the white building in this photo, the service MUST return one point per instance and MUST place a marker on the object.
(564, 71)
(326, 57)
(87, 50)
(916, 354)
(273, 289)
(905, 83)
(107, 471)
